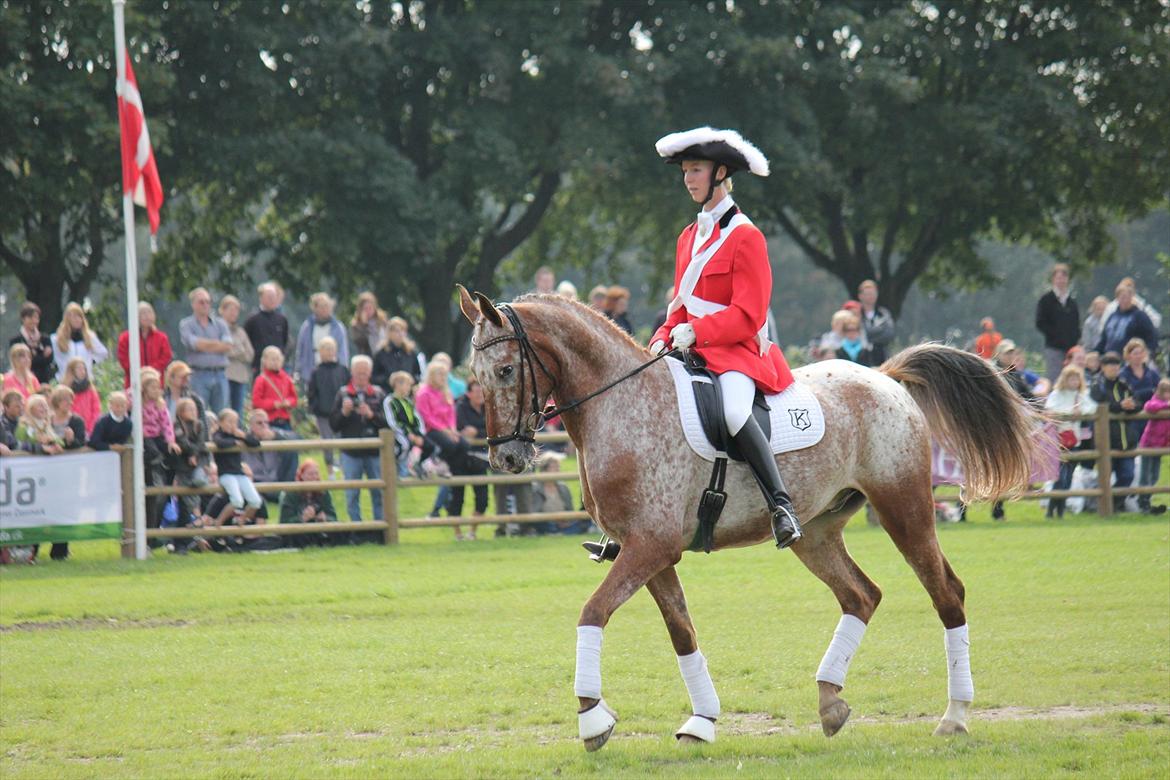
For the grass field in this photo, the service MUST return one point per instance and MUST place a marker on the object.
(437, 659)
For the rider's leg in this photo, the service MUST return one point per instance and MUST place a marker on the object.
(739, 392)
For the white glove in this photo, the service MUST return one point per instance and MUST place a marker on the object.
(683, 335)
(658, 347)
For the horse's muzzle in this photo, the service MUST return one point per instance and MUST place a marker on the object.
(513, 457)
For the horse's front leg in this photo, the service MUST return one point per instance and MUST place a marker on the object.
(640, 560)
(668, 594)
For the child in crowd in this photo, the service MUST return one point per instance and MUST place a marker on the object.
(158, 440)
(35, 432)
(13, 408)
(325, 381)
(1070, 396)
(233, 474)
(190, 466)
(1112, 390)
(87, 404)
(66, 424)
(1157, 434)
(1092, 366)
(114, 427)
(273, 391)
(408, 426)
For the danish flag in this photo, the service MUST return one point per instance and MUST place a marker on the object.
(139, 173)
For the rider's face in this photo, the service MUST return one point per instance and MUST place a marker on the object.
(697, 178)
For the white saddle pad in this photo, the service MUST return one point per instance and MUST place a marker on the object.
(797, 418)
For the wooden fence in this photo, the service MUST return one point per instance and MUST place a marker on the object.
(389, 483)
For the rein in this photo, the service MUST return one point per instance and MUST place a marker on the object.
(529, 360)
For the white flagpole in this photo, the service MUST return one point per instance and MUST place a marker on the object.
(140, 550)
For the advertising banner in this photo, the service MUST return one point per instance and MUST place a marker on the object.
(60, 498)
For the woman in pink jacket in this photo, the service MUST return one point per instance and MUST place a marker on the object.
(1157, 434)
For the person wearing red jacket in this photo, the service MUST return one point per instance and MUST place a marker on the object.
(723, 284)
(274, 391)
(155, 346)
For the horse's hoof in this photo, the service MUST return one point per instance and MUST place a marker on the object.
(595, 725)
(947, 728)
(834, 716)
(696, 730)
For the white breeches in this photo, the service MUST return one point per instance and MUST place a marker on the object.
(739, 392)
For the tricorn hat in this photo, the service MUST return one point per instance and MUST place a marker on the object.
(725, 147)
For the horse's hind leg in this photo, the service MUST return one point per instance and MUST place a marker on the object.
(823, 551)
(907, 514)
(668, 594)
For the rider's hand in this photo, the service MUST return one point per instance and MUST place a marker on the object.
(683, 335)
(658, 347)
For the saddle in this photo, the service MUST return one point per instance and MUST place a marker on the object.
(709, 402)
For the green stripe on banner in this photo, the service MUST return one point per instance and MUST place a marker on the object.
(60, 533)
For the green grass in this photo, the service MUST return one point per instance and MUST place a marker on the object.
(437, 659)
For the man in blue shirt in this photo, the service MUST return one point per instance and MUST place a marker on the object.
(208, 341)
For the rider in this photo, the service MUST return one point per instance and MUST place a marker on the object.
(724, 283)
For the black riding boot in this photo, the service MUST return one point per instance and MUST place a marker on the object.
(757, 451)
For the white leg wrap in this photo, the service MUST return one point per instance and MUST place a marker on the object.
(704, 700)
(595, 721)
(846, 639)
(959, 683)
(588, 681)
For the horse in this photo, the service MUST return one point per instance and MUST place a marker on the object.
(641, 483)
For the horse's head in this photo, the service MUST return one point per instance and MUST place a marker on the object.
(515, 381)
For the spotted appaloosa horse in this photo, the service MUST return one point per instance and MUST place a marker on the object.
(641, 482)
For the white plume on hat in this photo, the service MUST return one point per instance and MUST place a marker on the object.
(670, 145)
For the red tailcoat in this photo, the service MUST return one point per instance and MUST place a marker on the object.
(739, 277)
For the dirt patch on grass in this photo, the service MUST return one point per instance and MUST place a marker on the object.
(92, 624)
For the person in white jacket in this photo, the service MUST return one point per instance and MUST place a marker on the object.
(1070, 396)
(74, 339)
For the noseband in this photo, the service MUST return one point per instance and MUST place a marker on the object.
(526, 430)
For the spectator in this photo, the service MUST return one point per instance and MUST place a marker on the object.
(597, 298)
(420, 357)
(456, 385)
(307, 507)
(1138, 372)
(13, 408)
(988, 340)
(1139, 301)
(1156, 435)
(437, 409)
(545, 279)
(397, 354)
(86, 401)
(320, 325)
(177, 386)
(1070, 396)
(75, 339)
(158, 440)
(267, 327)
(1092, 367)
(552, 497)
(367, 329)
(208, 341)
(154, 346)
(469, 420)
(853, 347)
(1093, 324)
(113, 427)
(357, 414)
(192, 458)
(234, 475)
(1112, 390)
(324, 382)
(21, 378)
(1075, 357)
(408, 428)
(567, 289)
(239, 366)
(35, 432)
(1037, 385)
(1058, 318)
(617, 305)
(1127, 321)
(69, 427)
(877, 322)
(39, 343)
(270, 465)
(273, 390)
(832, 338)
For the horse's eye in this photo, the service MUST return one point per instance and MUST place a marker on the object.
(505, 371)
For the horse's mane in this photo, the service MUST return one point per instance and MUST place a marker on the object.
(575, 307)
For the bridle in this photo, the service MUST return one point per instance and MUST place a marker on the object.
(526, 428)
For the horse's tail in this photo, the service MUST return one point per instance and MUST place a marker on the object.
(973, 414)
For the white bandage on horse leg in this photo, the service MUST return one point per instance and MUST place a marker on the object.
(704, 700)
(959, 683)
(588, 681)
(846, 639)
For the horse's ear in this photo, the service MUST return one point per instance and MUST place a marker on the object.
(489, 310)
(467, 305)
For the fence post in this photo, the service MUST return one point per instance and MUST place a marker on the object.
(389, 467)
(1101, 435)
(126, 461)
